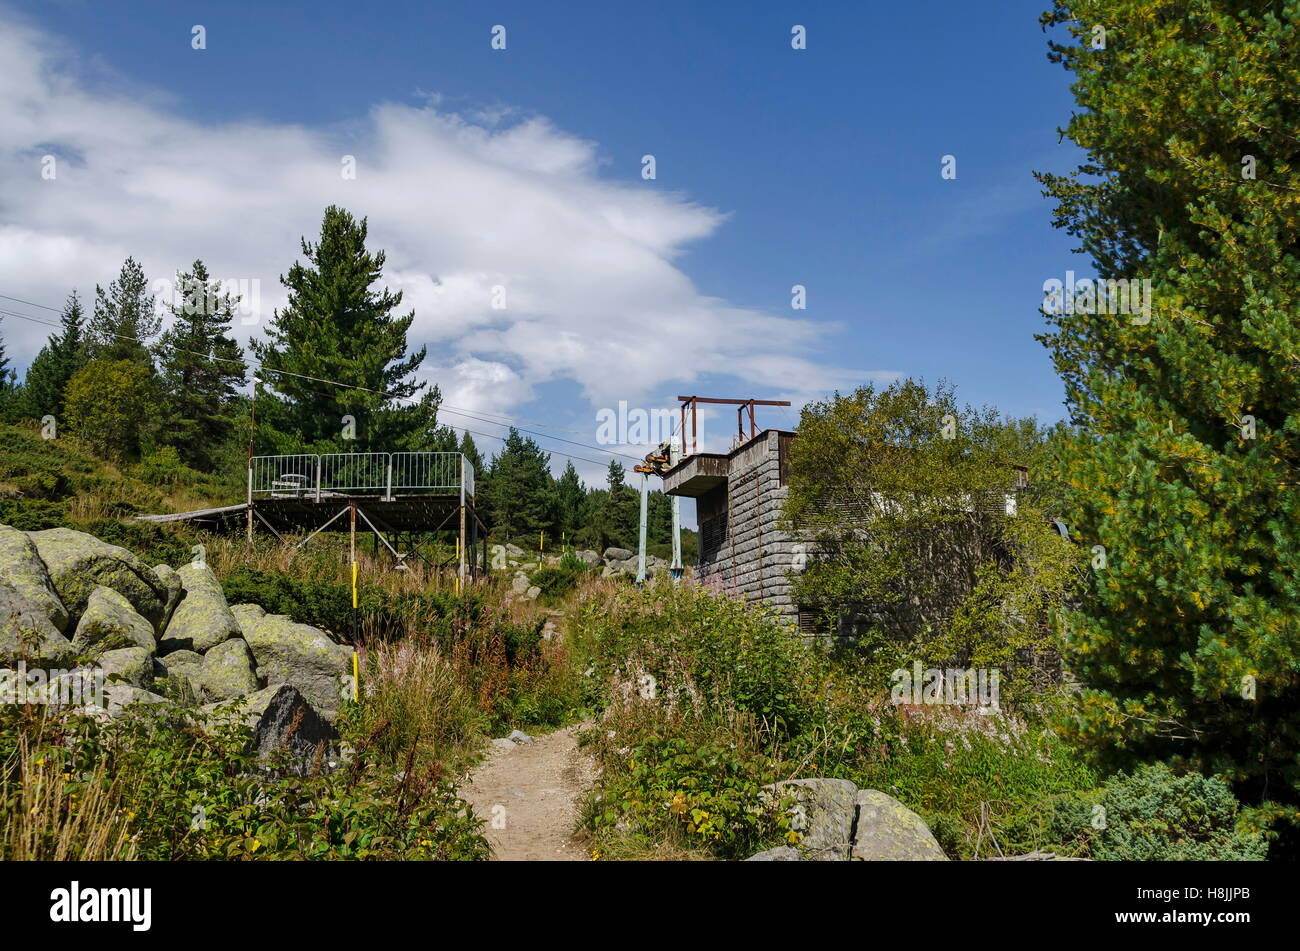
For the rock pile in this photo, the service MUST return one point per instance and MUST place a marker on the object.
(613, 563)
(156, 633)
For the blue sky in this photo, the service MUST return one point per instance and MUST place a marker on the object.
(775, 167)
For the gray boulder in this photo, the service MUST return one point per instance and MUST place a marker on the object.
(617, 554)
(822, 813)
(22, 568)
(289, 725)
(588, 557)
(175, 591)
(110, 619)
(79, 563)
(888, 831)
(514, 550)
(202, 619)
(532, 593)
(130, 665)
(27, 632)
(227, 671)
(120, 696)
(782, 853)
(519, 584)
(297, 654)
(180, 662)
(248, 708)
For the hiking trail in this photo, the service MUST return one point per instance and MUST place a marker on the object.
(534, 790)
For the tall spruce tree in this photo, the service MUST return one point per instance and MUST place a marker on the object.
(617, 514)
(570, 503)
(337, 326)
(519, 495)
(61, 357)
(202, 369)
(9, 393)
(1182, 477)
(124, 323)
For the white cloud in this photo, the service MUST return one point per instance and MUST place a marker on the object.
(462, 204)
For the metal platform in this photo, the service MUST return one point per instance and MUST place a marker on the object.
(387, 494)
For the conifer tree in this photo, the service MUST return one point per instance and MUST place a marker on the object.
(1181, 479)
(52, 368)
(337, 326)
(124, 324)
(570, 502)
(202, 369)
(519, 496)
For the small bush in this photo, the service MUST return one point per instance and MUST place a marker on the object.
(1152, 814)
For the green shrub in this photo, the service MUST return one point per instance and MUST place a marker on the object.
(192, 789)
(699, 790)
(1152, 814)
(700, 649)
(558, 580)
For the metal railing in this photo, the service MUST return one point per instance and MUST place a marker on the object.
(310, 476)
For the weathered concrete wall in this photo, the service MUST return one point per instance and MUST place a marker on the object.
(754, 557)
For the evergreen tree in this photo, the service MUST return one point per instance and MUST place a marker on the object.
(570, 503)
(1181, 478)
(124, 323)
(338, 327)
(202, 369)
(617, 520)
(9, 392)
(62, 356)
(519, 496)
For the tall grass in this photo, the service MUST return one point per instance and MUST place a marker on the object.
(51, 815)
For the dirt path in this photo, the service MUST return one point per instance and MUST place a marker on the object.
(533, 790)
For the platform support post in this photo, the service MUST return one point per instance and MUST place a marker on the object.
(460, 568)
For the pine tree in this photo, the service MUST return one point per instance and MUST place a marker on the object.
(202, 369)
(570, 503)
(61, 357)
(617, 520)
(1181, 479)
(8, 390)
(124, 323)
(337, 327)
(519, 497)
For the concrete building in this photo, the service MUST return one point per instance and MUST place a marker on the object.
(738, 498)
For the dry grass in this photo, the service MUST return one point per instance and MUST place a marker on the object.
(426, 706)
(57, 817)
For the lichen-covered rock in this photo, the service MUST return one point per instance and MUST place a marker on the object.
(78, 563)
(177, 686)
(782, 853)
(588, 557)
(202, 619)
(888, 831)
(26, 632)
(131, 665)
(822, 813)
(181, 669)
(119, 696)
(22, 568)
(227, 671)
(175, 591)
(251, 706)
(297, 654)
(111, 620)
(617, 554)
